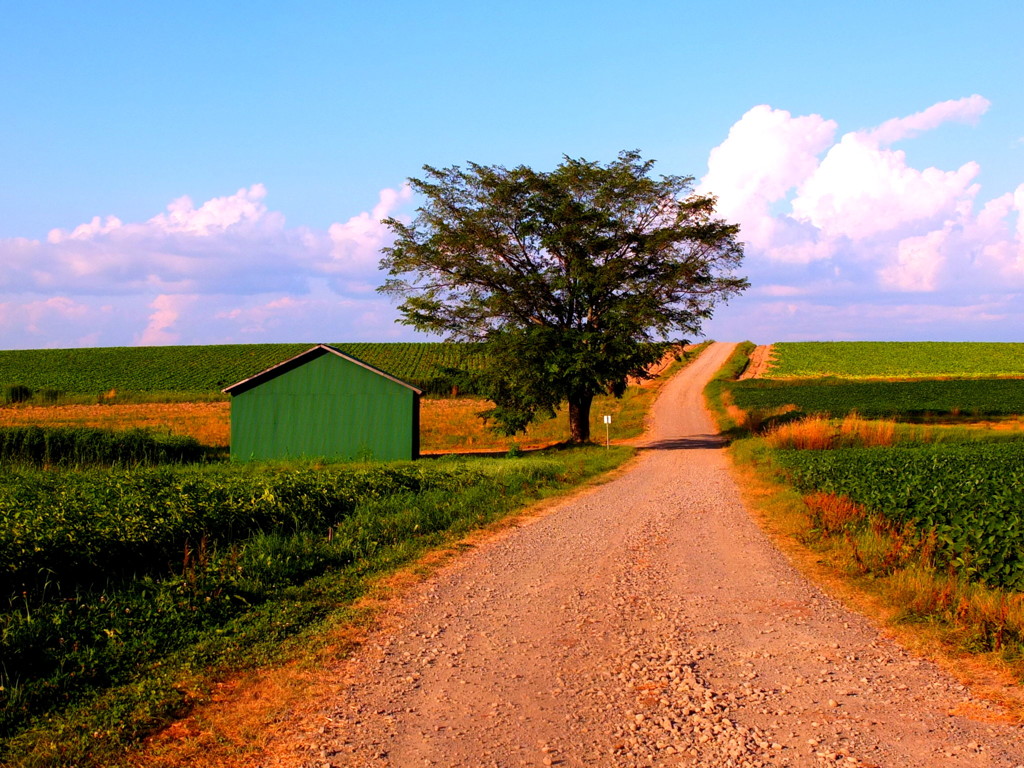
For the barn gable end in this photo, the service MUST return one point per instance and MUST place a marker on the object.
(324, 403)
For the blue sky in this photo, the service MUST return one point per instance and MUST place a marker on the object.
(215, 172)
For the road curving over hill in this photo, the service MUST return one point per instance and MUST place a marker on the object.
(645, 622)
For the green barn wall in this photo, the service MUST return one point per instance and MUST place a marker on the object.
(327, 407)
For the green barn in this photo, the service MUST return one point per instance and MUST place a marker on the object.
(324, 403)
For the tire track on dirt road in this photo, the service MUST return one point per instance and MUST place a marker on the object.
(644, 622)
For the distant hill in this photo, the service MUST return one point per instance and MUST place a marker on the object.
(431, 366)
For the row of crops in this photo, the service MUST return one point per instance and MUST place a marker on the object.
(85, 446)
(902, 400)
(967, 496)
(80, 528)
(928, 517)
(896, 359)
(952, 504)
(118, 584)
(434, 367)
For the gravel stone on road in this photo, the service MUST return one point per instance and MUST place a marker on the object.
(644, 622)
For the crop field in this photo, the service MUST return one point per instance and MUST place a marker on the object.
(120, 586)
(876, 359)
(927, 516)
(119, 582)
(208, 369)
(901, 400)
(84, 446)
(967, 497)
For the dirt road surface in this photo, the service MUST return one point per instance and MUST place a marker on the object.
(646, 622)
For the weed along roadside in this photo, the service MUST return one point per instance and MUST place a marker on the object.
(138, 591)
(920, 525)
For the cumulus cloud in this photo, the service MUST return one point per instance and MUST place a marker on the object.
(838, 225)
(163, 271)
(356, 244)
(801, 197)
(768, 153)
(859, 190)
(230, 244)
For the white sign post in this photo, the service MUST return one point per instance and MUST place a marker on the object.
(607, 431)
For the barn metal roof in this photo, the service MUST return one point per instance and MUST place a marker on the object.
(301, 359)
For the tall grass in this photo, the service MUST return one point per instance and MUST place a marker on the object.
(85, 446)
(818, 433)
(822, 433)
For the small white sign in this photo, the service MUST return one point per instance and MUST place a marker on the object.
(607, 419)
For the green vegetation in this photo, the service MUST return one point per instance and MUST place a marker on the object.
(128, 592)
(963, 499)
(83, 446)
(168, 371)
(717, 391)
(896, 359)
(928, 519)
(570, 280)
(903, 400)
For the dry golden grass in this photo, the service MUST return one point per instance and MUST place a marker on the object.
(454, 424)
(832, 513)
(209, 423)
(820, 433)
(446, 425)
(814, 433)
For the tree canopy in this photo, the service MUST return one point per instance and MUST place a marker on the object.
(574, 280)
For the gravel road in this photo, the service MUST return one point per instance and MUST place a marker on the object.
(646, 622)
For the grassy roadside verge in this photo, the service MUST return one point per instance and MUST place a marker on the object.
(884, 568)
(274, 598)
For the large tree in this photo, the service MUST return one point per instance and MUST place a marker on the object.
(573, 280)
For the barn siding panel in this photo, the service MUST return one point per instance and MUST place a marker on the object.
(328, 407)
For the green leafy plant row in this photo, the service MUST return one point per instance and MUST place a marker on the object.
(63, 530)
(142, 580)
(905, 400)
(434, 367)
(83, 446)
(966, 496)
(896, 359)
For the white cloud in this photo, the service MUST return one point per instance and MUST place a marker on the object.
(86, 231)
(918, 261)
(185, 263)
(242, 209)
(228, 244)
(767, 154)
(852, 216)
(859, 190)
(167, 310)
(356, 244)
(968, 110)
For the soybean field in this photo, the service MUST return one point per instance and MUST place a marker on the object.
(431, 366)
(896, 359)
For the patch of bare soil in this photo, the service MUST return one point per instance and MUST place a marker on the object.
(761, 361)
(646, 622)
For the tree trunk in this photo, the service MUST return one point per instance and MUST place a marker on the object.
(579, 418)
